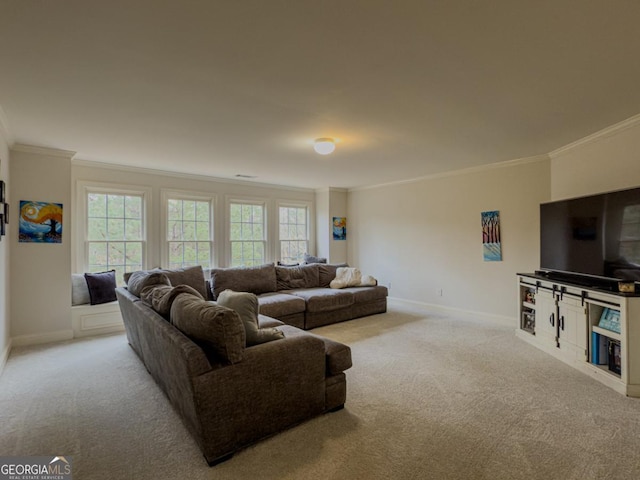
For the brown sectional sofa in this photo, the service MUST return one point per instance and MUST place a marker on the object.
(230, 401)
(301, 295)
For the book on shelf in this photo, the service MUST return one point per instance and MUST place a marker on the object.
(610, 320)
(615, 362)
(599, 349)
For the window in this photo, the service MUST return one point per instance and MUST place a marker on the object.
(115, 233)
(294, 233)
(247, 233)
(189, 239)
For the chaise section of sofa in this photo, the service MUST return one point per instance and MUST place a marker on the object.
(301, 295)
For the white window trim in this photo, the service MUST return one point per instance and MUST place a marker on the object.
(165, 194)
(81, 258)
(268, 242)
(310, 225)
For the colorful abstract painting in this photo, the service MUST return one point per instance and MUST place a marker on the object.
(339, 228)
(40, 222)
(491, 246)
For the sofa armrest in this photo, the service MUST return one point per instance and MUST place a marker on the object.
(277, 385)
(338, 355)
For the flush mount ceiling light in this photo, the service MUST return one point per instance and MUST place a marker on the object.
(324, 146)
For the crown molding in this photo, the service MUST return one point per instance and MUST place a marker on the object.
(464, 171)
(4, 126)
(187, 176)
(52, 152)
(596, 137)
(331, 189)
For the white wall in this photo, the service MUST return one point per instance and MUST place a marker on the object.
(425, 235)
(5, 248)
(40, 273)
(331, 202)
(608, 160)
(323, 228)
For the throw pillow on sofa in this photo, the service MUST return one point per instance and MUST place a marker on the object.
(351, 277)
(216, 329)
(246, 305)
(161, 297)
(139, 280)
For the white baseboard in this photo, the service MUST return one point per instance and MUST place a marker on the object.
(87, 320)
(5, 356)
(38, 338)
(509, 321)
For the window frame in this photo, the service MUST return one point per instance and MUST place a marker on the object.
(166, 195)
(263, 202)
(279, 240)
(84, 188)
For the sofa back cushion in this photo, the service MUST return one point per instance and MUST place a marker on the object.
(216, 329)
(303, 276)
(192, 276)
(260, 279)
(327, 273)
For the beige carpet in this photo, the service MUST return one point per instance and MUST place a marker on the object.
(429, 397)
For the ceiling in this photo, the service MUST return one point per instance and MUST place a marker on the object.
(226, 87)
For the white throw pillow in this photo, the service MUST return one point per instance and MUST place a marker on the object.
(79, 290)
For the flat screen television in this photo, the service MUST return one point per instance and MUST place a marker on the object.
(596, 236)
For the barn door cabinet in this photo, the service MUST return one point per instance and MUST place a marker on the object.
(561, 319)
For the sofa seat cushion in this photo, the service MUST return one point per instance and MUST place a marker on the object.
(279, 305)
(218, 330)
(367, 294)
(323, 299)
(338, 355)
(268, 322)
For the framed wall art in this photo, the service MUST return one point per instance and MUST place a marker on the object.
(40, 222)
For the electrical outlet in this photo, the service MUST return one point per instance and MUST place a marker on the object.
(389, 287)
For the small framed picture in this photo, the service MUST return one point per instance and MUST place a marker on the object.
(6, 213)
(2, 231)
(2, 189)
